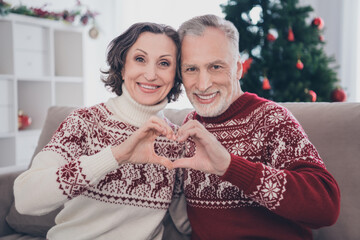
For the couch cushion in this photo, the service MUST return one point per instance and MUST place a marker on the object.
(334, 129)
(20, 237)
(39, 225)
(7, 177)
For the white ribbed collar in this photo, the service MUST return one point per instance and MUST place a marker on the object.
(126, 109)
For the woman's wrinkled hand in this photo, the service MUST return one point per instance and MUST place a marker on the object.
(139, 147)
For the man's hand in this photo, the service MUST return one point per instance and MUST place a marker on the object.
(210, 156)
(139, 147)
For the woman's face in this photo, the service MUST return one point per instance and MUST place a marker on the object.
(150, 67)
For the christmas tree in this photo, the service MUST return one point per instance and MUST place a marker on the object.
(285, 61)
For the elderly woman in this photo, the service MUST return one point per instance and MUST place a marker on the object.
(102, 162)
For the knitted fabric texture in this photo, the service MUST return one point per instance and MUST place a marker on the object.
(276, 186)
(102, 199)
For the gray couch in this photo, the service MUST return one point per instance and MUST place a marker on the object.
(334, 128)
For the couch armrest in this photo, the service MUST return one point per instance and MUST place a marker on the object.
(7, 178)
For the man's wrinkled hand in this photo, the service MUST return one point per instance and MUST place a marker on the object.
(210, 156)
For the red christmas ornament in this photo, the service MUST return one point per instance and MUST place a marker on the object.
(312, 95)
(270, 37)
(23, 120)
(246, 65)
(299, 65)
(266, 84)
(338, 95)
(291, 37)
(318, 22)
(321, 38)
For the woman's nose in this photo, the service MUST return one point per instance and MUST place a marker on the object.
(150, 73)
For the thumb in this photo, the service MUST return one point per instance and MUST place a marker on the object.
(164, 161)
(183, 163)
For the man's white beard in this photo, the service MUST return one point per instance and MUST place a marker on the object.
(213, 109)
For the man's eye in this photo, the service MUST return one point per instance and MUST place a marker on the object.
(139, 59)
(190, 69)
(216, 67)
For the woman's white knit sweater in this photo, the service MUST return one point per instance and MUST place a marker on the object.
(101, 199)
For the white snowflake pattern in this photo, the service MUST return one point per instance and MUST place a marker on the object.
(276, 118)
(271, 190)
(238, 148)
(258, 139)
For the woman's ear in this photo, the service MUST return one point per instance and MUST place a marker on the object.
(123, 74)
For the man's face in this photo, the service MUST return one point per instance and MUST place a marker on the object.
(210, 72)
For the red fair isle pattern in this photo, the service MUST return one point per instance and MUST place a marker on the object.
(72, 181)
(269, 135)
(89, 130)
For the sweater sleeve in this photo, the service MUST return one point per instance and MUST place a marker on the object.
(289, 179)
(62, 170)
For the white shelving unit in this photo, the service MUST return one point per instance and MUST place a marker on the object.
(41, 65)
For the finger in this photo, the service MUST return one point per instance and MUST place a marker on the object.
(196, 133)
(155, 127)
(168, 131)
(183, 163)
(164, 161)
(184, 129)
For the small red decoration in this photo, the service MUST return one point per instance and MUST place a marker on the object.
(321, 38)
(299, 65)
(312, 95)
(270, 37)
(23, 120)
(81, 12)
(338, 95)
(318, 22)
(291, 37)
(246, 66)
(266, 84)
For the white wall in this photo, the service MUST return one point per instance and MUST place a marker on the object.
(350, 49)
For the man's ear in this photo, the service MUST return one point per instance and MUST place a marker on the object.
(239, 67)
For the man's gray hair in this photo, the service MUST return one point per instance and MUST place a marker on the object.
(197, 25)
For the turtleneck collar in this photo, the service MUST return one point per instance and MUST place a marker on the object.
(245, 103)
(126, 109)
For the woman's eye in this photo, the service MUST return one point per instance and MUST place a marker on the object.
(139, 59)
(165, 64)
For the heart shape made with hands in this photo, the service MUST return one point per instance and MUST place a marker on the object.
(141, 146)
(208, 153)
(203, 151)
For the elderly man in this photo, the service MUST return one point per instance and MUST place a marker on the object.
(250, 171)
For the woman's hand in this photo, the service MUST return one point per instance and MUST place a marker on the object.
(139, 147)
(210, 156)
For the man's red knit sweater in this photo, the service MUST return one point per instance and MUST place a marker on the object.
(276, 186)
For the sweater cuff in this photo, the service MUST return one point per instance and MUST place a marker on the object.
(240, 172)
(99, 164)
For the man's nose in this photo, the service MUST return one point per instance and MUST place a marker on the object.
(204, 81)
(150, 73)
